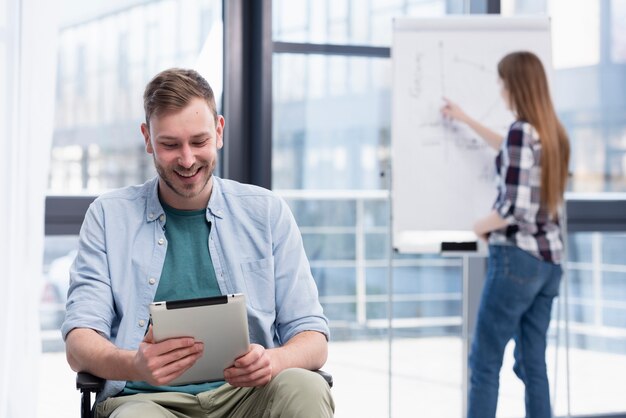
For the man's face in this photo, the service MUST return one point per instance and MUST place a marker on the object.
(184, 145)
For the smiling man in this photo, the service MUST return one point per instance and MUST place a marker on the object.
(188, 234)
(184, 145)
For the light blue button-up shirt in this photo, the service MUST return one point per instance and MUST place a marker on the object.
(255, 246)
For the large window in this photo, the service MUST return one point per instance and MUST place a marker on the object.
(588, 52)
(331, 122)
(107, 53)
(330, 153)
(106, 57)
(330, 115)
(349, 22)
(588, 81)
(330, 139)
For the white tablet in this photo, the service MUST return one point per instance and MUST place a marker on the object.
(220, 322)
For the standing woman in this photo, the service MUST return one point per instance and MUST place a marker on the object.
(524, 235)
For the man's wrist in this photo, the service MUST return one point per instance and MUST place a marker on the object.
(126, 361)
(275, 360)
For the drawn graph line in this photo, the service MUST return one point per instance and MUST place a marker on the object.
(452, 137)
(473, 64)
(449, 128)
(457, 60)
(416, 85)
(443, 68)
(490, 110)
(482, 68)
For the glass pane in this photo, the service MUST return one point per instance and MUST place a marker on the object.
(349, 22)
(614, 286)
(56, 379)
(377, 246)
(336, 213)
(4, 101)
(107, 52)
(4, 6)
(613, 249)
(329, 246)
(331, 122)
(59, 253)
(589, 38)
(618, 31)
(597, 291)
(331, 128)
(335, 281)
(579, 248)
(331, 133)
(575, 33)
(7, 58)
(106, 56)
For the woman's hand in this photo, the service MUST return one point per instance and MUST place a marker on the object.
(451, 110)
(491, 222)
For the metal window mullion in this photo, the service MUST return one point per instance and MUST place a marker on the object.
(280, 47)
(484, 6)
(596, 257)
(361, 288)
(248, 91)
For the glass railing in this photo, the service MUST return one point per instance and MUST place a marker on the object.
(345, 233)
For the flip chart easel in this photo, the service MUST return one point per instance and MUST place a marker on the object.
(442, 174)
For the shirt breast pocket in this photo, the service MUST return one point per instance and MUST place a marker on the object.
(258, 276)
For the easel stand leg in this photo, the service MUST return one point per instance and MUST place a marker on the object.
(474, 270)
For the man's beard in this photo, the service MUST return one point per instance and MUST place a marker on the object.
(186, 191)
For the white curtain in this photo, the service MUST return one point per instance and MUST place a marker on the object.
(28, 52)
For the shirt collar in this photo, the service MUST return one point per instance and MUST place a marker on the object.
(154, 209)
(216, 201)
(153, 206)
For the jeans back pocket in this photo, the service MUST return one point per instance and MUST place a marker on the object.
(523, 268)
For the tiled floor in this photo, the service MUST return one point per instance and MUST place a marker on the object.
(426, 381)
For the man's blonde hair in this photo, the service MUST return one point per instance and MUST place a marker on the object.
(173, 89)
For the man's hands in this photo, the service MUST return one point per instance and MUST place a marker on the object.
(160, 363)
(254, 368)
(307, 350)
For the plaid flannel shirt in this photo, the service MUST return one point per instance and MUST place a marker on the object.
(518, 166)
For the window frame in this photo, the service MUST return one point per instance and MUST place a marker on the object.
(247, 155)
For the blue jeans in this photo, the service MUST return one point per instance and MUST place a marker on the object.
(516, 303)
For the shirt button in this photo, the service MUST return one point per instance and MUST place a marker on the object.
(142, 323)
(161, 241)
(162, 218)
(151, 216)
(152, 280)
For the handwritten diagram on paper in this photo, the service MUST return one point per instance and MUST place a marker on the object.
(443, 174)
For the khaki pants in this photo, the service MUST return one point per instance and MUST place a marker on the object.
(293, 393)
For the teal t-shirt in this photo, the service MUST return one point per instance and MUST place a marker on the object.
(188, 273)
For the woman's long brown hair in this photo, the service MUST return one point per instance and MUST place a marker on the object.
(525, 79)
